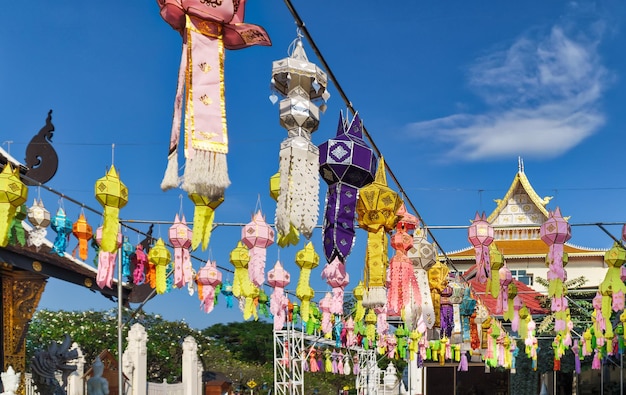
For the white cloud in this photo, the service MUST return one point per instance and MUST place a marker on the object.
(542, 93)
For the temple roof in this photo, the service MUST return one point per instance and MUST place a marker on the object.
(527, 248)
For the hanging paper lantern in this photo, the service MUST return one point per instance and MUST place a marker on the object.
(376, 208)
(63, 226)
(437, 280)
(347, 163)
(112, 194)
(301, 83)
(140, 262)
(106, 260)
(127, 250)
(227, 291)
(307, 260)
(39, 217)
(324, 305)
(257, 235)
(496, 262)
(208, 277)
(505, 279)
(555, 231)
(359, 310)
(403, 289)
(335, 275)
(278, 278)
(243, 288)
(480, 233)
(13, 193)
(83, 232)
(423, 256)
(203, 215)
(180, 238)
(160, 257)
(612, 288)
(207, 28)
(17, 235)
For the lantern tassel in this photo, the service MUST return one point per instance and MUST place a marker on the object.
(106, 267)
(206, 165)
(7, 212)
(161, 284)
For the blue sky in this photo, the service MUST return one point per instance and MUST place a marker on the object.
(452, 93)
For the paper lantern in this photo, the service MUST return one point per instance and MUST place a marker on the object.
(402, 283)
(242, 285)
(437, 281)
(140, 262)
(207, 27)
(39, 217)
(112, 194)
(496, 262)
(83, 232)
(203, 215)
(227, 291)
(127, 250)
(63, 227)
(612, 288)
(359, 310)
(180, 236)
(13, 193)
(160, 257)
(480, 233)
(376, 208)
(208, 277)
(307, 260)
(278, 278)
(257, 235)
(324, 305)
(301, 83)
(555, 231)
(106, 260)
(347, 163)
(336, 276)
(423, 256)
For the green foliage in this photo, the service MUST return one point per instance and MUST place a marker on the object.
(249, 341)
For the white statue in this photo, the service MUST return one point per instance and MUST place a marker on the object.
(97, 385)
(10, 381)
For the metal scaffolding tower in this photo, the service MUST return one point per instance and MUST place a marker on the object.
(368, 379)
(289, 354)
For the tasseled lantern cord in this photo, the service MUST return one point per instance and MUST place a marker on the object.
(299, 185)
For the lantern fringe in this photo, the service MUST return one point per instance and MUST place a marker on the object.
(171, 179)
(375, 297)
(7, 213)
(299, 186)
(202, 166)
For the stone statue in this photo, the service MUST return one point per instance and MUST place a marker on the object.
(47, 361)
(97, 385)
(10, 381)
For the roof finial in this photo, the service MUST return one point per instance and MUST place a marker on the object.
(520, 164)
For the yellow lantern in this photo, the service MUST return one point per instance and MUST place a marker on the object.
(306, 259)
(112, 194)
(13, 193)
(203, 216)
(376, 209)
(358, 291)
(160, 257)
(242, 285)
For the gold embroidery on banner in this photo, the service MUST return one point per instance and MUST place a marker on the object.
(207, 135)
(251, 36)
(212, 3)
(205, 67)
(206, 100)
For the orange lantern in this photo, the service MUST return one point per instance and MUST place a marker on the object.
(83, 232)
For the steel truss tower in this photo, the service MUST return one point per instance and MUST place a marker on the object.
(289, 354)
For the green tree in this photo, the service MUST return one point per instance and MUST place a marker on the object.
(250, 341)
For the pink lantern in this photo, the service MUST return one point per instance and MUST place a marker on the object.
(335, 275)
(180, 237)
(324, 305)
(506, 278)
(480, 234)
(555, 231)
(208, 277)
(401, 280)
(278, 278)
(106, 261)
(140, 262)
(257, 236)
